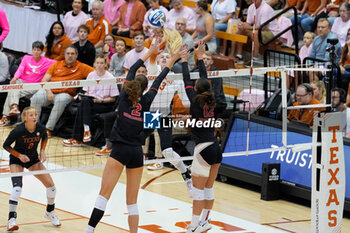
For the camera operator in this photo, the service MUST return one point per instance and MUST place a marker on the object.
(325, 39)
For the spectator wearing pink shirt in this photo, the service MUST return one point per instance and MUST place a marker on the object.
(31, 70)
(97, 99)
(112, 12)
(109, 46)
(262, 12)
(307, 47)
(132, 13)
(73, 19)
(133, 55)
(154, 4)
(4, 25)
(179, 10)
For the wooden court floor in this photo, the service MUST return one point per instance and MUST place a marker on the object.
(230, 200)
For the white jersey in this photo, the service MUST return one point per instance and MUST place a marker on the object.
(166, 92)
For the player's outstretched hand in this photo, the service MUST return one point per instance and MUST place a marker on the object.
(154, 48)
(185, 53)
(200, 50)
(24, 158)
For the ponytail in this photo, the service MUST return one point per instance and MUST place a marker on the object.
(133, 90)
(205, 98)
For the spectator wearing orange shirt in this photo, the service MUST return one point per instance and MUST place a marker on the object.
(99, 25)
(56, 41)
(132, 14)
(304, 96)
(66, 70)
(308, 14)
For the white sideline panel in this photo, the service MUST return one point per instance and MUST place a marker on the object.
(328, 174)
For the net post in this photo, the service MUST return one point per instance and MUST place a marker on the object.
(328, 173)
(284, 107)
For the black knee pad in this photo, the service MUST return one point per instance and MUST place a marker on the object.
(17, 181)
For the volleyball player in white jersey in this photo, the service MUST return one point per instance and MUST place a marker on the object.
(162, 103)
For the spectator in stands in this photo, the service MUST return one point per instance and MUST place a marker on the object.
(344, 63)
(222, 11)
(109, 118)
(320, 44)
(305, 50)
(134, 54)
(275, 4)
(179, 10)
(31, 70)
(66, 70)
(216, 84)
(112, 13)
(86, 50)
(4, 26)
(117, 60)
(56, 41)
(262, 12)
(304, 96)
(132, 13)
(73, 19)
(342, 23)
(109, 46)
(307, 15)
(99, 25)
(319, 90)
(187, 39)
(4, 67)
(204, 27)
(154, 4)
(96, 99)
(298, 4)
(338, 99)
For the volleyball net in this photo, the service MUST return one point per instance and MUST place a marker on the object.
(243, 90)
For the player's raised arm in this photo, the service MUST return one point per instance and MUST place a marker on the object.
(201, 66)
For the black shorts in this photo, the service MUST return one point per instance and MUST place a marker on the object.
(32, 161)
(212, 154)
(129, 155)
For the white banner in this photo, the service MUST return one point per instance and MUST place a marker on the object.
(328, 174)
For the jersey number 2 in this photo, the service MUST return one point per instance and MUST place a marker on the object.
(136, 111)
(208, 112)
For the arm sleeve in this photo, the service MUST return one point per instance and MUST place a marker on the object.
(133, 69)
(187, 80)
(155, 85)
(21, 67)
(202, 69)
(4, 24)
(7, 144)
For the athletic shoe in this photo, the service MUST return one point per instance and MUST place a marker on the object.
(87, 136)
(155, 166)
(53, 218)
(189, 188)
(4, 121)
(12, 225)
(105, 150)
(48, 133)
(14, 110)
(196, 229)
(72, 142)
(206, 226)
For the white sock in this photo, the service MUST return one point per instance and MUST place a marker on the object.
(89, 229)
(86, 127)
(205, 215)
(195, 220)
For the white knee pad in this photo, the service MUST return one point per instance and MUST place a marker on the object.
(198, 194)
(16, 193)
(200, 168)
(51, 192)
(101, 203)
(209, 194)
(133, 210)
(169, 153)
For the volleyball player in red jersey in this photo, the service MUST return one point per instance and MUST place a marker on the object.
(127, 136)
